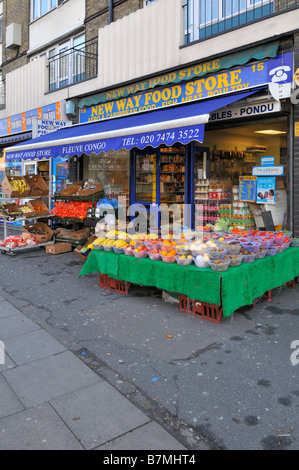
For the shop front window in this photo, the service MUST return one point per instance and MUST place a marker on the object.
(234, 153)
(111, 169)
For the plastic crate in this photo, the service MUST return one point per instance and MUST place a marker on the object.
(200, 309)
(114, 285)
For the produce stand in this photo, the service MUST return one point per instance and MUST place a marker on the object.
(224, 291)
(13, 251)
(84, 196)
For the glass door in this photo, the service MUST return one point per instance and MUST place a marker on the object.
(202, 215)
(145, 165)
(172, 175)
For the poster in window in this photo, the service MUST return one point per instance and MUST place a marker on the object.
(265, 190)
(247, 188)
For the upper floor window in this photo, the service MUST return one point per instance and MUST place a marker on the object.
(205, 18)
(41, 7)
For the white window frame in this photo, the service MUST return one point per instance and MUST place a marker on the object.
(65, 63)
(51, 5)
(195, 8)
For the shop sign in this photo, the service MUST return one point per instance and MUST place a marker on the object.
(267, 161)
(187, 73)
(265, 190)
(43, 126)
(246, 110)
(23, 121)
(277, 170)
(247, 188)
(210, 86)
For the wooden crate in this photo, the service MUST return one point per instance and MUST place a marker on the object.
(40, 231)
(37, 184)
(58, 248)
(8, 189)
(38, 203)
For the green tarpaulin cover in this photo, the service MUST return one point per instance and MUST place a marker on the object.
(237, 287)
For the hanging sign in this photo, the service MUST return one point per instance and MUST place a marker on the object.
(265, 190)
(277, 170)
(253, 109)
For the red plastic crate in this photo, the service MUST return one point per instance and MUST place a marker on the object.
(200, 309)
(114, 285)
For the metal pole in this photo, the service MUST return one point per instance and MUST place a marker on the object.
(291, 165)
(110, 11)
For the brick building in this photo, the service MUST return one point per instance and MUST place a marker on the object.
(101, 55)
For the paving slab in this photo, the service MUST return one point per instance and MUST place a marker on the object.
(15, 324)
(38, 428)
(98, 413)
(8, 362)
(32, 346)
(6, 309)
(151, 436)
(9, 402)
(48, 378)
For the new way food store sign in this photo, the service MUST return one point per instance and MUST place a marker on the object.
(277, 70)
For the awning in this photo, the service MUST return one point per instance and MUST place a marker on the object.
(15, 138)
(167, 126)
(242, 57)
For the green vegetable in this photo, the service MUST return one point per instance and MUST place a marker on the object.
(221, 225)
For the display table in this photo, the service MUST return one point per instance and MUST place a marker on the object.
(235, 288)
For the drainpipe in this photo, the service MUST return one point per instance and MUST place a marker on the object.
(110, 11)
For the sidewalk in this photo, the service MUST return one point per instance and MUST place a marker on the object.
(51, 400)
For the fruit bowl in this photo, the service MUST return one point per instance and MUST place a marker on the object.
(251, 247)
(108, 247)
(140, 254)
(154, 256)
(98, 246)
(221, 266)
(217, 253)
(129, 251)
(279, 240)
(261, 253)
(232, 248)
(235, 260)
(152, 245)
(201, 263)
(279, 248)
(118, 250)
(183, 261)
(167, 248)
(249, 258)
(272, 251)
(183, 250)
(168, 259)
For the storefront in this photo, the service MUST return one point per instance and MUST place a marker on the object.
(24, 127)
(185, 143)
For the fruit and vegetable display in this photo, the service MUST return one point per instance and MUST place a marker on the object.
(19, 185)
(208, 250)
(72, 209)
(16, 241)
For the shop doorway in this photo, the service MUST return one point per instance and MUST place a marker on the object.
(168, 177)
